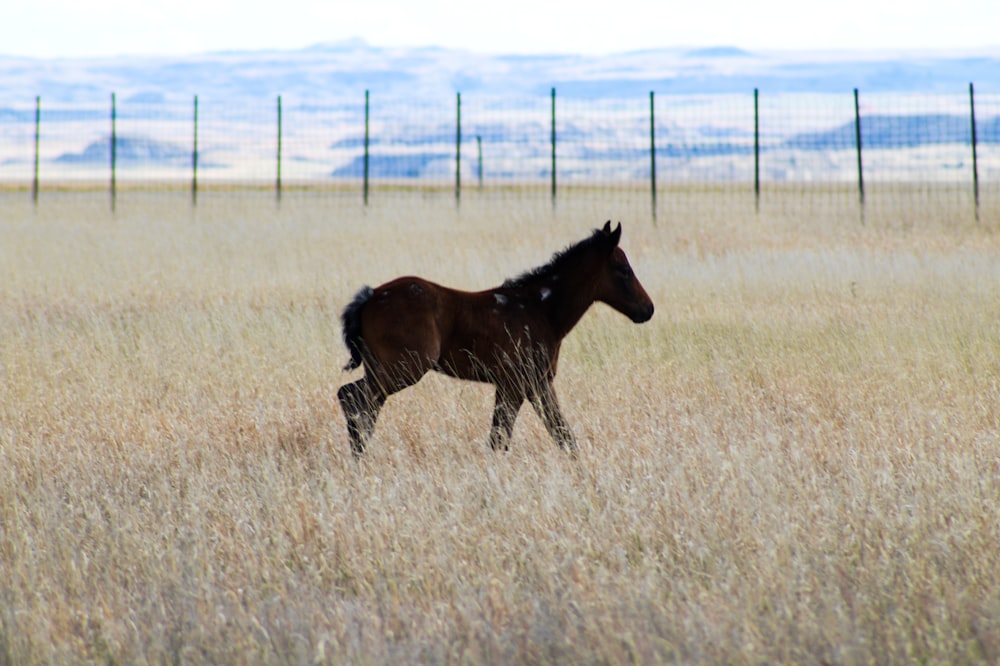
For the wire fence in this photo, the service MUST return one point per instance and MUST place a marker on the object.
(784, 145)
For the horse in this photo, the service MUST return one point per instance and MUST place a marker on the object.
(508, 336)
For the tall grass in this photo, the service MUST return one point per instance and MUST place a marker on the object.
(796, 460)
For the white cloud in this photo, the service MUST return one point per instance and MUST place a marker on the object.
(106, 27)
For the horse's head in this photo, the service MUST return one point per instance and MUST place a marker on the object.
(617, 285)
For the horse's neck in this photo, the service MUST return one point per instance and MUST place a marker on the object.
(567, 303)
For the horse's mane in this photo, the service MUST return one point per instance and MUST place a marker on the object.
(568, 256)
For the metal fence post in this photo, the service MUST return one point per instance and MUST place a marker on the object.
(756, 151)
(652, 154)
(38, 123)
(277, 184)
(975, 162)
(857, 142)
(114, 151)
(194, 157)
(365, 186)
(553, 147)
(479, 150)
(458, 148)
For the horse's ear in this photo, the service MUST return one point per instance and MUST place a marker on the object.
(616, 235)
(607, 227)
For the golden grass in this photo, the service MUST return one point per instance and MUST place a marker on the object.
(796, 460)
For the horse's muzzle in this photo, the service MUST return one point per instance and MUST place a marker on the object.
(643, 314)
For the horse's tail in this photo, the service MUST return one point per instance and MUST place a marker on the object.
(352, 326)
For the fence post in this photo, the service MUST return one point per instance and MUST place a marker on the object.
(365, 189)
(194, 158)
(975, 162)
(756, 151)
(553, 147)
(479, 150)
(652, 153)
(38, 123)
(458, 148)
(278, 180)
(857, 142)
(114, 150)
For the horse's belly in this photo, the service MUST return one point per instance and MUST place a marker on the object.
(495, 363)
(465, 365)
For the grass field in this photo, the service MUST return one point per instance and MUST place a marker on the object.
(796, 461)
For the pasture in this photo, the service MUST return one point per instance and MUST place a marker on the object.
(796, 460)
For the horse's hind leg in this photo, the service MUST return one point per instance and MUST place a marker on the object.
(361, 403)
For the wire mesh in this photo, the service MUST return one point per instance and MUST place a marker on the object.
(796, 146)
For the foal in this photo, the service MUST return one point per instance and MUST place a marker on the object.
(508, 336)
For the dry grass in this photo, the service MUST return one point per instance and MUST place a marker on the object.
(796, 460)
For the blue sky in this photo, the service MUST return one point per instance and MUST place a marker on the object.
(71, 28)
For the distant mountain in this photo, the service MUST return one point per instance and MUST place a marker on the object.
(879, 131)
(410, 165)
(344, 70)
(130, 151)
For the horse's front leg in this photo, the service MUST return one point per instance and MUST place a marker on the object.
(543, 399)
(505, 410)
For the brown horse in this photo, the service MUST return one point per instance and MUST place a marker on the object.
(508, 336)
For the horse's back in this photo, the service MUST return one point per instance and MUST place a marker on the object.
(403, 303)
(401, 322)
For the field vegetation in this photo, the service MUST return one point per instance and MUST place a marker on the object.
(797, 460)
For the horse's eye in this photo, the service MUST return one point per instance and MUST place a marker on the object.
(623, 271)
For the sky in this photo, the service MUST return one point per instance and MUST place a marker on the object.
(95, 28)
